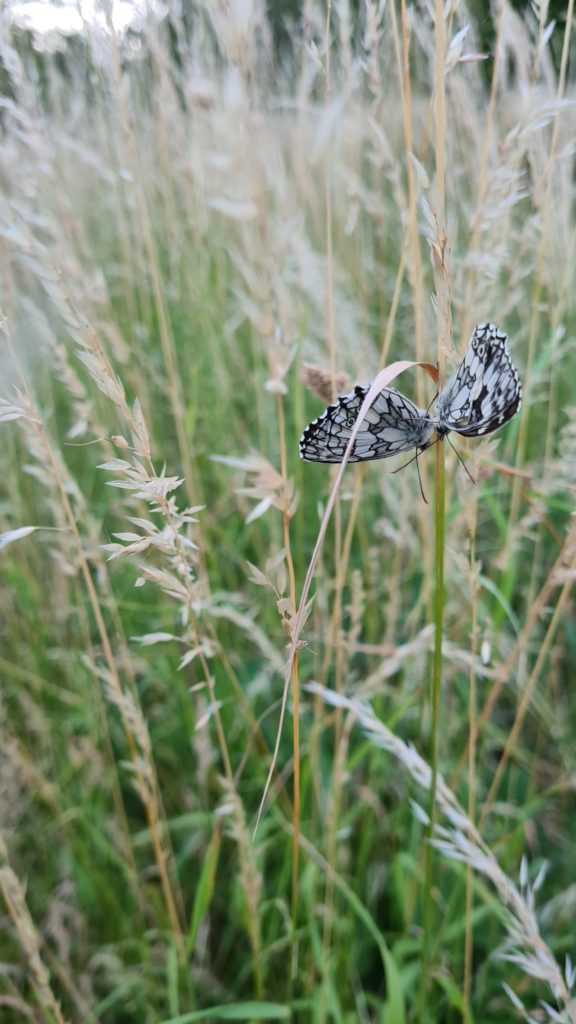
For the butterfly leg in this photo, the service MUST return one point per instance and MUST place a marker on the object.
(424, 499)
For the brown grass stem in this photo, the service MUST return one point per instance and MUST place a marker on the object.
(567, 575)
(540, 280)
(536, 610)
(165, 330)
(295, 690)
(382, 380)
(30, 940)
(442, 279)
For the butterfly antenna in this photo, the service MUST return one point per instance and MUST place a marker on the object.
(461, 460)
(424, 499)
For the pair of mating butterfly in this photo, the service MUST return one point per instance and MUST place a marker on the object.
(484, 393)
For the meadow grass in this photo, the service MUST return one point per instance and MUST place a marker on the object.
(263, 762)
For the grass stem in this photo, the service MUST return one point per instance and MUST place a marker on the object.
(471, 807)
(440, 530)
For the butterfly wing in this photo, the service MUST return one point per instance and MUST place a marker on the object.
(485, 391)
(392, 424)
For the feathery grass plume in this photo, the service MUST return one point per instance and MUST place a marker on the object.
(322, 383)
(463, 842)
(194, 210)
(138, 478)
(232, 811)
(67, 502)
(29, 939)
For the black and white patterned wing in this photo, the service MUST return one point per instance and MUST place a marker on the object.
(485, 391)
(392, 424)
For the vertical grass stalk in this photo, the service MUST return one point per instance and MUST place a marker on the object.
(471, 807)
(440, 533)
(443, 315)
(295, 693)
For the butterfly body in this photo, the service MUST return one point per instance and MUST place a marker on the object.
(484, 393)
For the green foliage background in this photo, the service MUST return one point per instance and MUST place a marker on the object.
(192, 214)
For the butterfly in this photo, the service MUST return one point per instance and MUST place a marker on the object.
(392, 424)
(483, 395)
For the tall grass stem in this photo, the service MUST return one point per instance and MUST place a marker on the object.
(440, 530)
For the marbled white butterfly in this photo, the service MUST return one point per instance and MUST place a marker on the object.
(484, 393)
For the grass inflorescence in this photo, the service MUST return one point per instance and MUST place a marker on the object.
(280, 743)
